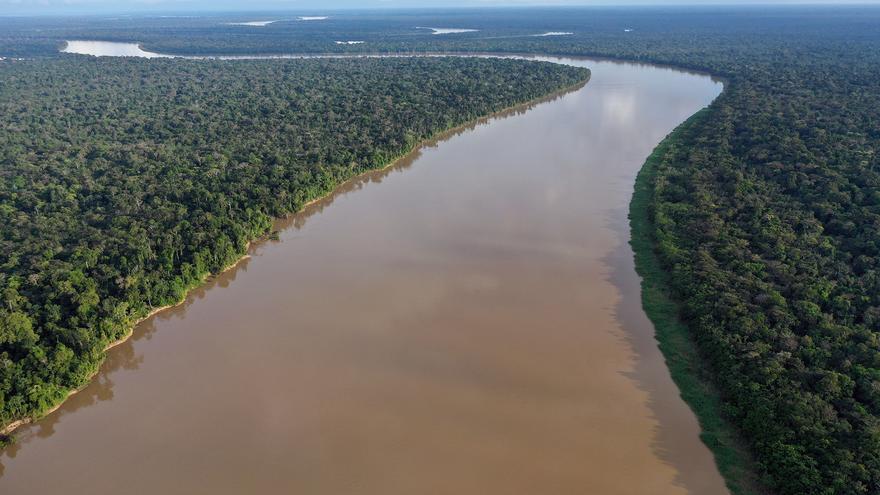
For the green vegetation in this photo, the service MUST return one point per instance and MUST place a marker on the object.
(687, 367)
(765, 214)
(124, 182)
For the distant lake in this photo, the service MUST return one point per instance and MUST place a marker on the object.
(448, 30)
(555, 33)
(251, 23)
(109, 49)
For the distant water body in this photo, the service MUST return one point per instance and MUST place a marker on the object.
(555, 33)
(448, 30)
(252, 23)
(109, 49)
(467, 321)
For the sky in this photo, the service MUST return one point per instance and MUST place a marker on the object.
(96, 6)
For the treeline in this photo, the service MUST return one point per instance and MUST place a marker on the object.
(124, 182)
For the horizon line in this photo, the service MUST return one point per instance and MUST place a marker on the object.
(157, 9)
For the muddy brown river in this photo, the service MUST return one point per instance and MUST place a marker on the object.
(465, 322)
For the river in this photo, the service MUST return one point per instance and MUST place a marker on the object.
(467, 321)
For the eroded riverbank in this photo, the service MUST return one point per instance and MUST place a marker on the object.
(456, 329)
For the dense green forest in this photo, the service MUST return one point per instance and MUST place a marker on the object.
(124, 182)
(765, 213)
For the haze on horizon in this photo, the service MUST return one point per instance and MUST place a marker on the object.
(28, 7)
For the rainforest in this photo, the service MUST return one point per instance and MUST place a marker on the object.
(126, 182)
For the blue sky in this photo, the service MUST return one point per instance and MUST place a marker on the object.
(91, 6)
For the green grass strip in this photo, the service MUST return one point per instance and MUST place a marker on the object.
(690, 372)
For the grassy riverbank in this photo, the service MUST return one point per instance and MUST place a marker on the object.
(688, 370)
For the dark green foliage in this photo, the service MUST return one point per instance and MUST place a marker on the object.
(765, 217)
(124, 182)
(688, 368)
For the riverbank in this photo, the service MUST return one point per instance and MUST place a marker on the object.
(10, 427)
(687, 367)
(6, 431)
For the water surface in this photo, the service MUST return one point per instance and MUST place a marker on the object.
(252, 23)
(466, 322)
(435, 30)
(108, 49)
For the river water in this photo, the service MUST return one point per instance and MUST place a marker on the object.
(465, 322)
